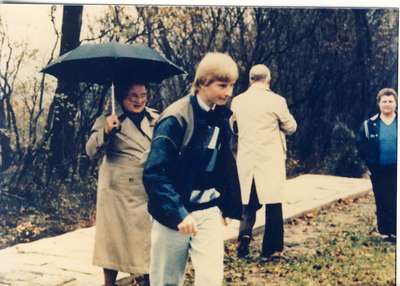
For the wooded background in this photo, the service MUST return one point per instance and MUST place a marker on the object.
(328, 63)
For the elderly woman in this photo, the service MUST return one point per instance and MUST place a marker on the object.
(122, 241)
(377, 145)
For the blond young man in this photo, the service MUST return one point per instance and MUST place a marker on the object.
(191, 178)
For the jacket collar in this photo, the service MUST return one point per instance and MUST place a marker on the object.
(148, 125)
(223, 111)
(204, 105)
(259, 86)
(375, 117)
(151, 114)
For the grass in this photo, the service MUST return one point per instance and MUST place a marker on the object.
(333, 246)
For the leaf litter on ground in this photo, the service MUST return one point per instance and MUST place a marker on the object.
(336, 245)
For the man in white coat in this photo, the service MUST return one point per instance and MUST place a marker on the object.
(262, 119)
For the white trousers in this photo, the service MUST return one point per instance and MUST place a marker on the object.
(170, 251)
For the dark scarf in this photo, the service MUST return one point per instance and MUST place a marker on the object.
(136, 118)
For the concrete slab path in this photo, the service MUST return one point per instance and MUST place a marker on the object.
(67, 259)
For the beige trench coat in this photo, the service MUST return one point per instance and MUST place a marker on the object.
(263, 119)
(122, 240)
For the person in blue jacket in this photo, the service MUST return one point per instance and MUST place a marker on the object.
(191, 178)
(377, 144)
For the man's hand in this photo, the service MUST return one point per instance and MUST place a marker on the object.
(226, 221)
(188, 226)
(111, 122)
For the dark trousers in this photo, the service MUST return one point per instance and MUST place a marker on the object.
(384, 181)
(273, 231)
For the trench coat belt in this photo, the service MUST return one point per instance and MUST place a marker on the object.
(122, 160)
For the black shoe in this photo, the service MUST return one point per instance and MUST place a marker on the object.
(243, 247)
(390, 238)
(271, 250)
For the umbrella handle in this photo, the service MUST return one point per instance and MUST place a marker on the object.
(114, 129)
(112, 99)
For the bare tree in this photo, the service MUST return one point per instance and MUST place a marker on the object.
(10, 63)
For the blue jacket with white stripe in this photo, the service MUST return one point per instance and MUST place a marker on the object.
(169, 175)
(368, 141)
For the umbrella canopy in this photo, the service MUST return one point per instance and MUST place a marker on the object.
(112, 62)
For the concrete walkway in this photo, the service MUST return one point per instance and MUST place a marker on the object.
(66, 259)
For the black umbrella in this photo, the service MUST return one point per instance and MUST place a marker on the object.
(111, 63)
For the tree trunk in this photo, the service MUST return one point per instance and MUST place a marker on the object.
(63, 109)
(5, 144)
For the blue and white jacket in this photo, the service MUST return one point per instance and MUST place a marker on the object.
(368, 141)
(172, 171)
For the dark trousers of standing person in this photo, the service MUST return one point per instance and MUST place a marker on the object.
(384, 186)
(273, 231)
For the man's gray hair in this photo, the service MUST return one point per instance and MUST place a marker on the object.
(260, 72)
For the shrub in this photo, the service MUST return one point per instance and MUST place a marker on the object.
(343, 158)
